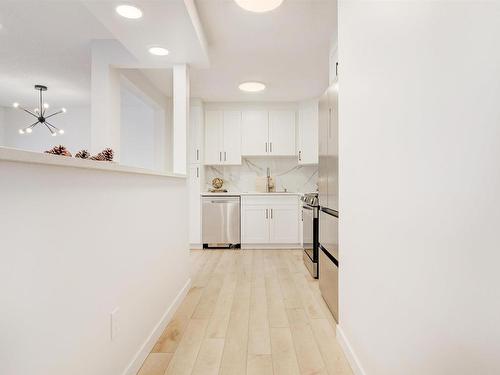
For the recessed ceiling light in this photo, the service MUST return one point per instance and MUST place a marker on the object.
(129, 11)
(251, 86)
(259, 6)
(158, 51)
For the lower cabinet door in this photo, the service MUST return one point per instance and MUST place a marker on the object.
(284, 225)
(255, 225)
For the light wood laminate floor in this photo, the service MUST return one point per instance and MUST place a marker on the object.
(254, 312)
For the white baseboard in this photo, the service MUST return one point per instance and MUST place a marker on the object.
(146, 348)
(274, 246)
(196, 246)
(352, 358)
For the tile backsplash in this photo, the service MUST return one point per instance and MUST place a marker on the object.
(286, 172)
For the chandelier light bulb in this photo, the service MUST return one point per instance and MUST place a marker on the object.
(15, 105)
(21, 131)
(29, 130)
(61, 131)
(54, 134)
(36, 110)
(46, 105)
(63, 110)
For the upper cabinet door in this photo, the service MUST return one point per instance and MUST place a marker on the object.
(308, 133)
(213, 137)
(323, 134)
(232, 137)
(282, 133)
(254, 133)
(195, 134)
(333, 150)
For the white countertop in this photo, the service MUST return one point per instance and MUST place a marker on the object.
(250, 193)
(22, 156)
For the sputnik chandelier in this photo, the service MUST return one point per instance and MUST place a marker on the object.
(39, 114)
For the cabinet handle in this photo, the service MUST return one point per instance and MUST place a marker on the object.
(220, 155)
(225, 158)
(267, 214)
(270, 146)
(197, 172)
(271, 213)
(266, 147)
(300, 155)
(197, 154)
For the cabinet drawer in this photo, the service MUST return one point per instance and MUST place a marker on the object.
(270, 200)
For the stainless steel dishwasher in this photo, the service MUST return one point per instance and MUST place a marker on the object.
(221, 221)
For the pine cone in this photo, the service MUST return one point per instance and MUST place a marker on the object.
(59, 150)
(97, 157)
(83, 154)
(107, 154)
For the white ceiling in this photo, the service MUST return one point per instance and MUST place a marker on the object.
(286, 48)
(46, 42)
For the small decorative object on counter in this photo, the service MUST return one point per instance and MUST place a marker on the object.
(107, 153)
(82, 154)
(59, 150)
(104, 155)
(217, 184)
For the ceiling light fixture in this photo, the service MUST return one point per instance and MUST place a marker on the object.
(158, 51)
(259, 6)
(39, 114)
(251, 86)
(129, 11)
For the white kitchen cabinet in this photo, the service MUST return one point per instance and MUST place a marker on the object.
(213, 137)
(195, 185)
(256, 224)
(254, 133)
(195, 151)
(232, 137)
(222, 137)
(268, 133)
(282, 133)
(307, 131)
(270, 221)
(283, 227)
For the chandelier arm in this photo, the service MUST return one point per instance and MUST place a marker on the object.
(32, 125)
(51, 131)
(48, 123)
(55, 113)
(28, 111)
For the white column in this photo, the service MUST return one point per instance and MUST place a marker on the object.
(105, 96)
(180, 116)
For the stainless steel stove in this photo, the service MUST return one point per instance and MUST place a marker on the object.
(310, 225)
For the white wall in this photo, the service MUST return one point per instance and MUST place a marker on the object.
(75, 244)
(75, 122)
(147, 97)
(420, 186)
(137, 138)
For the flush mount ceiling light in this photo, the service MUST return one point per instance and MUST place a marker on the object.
(158, 51)
(39, 114)
(259, 6)
(251, 86)
(129, 11)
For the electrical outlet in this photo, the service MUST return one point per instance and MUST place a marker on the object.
(114, 324)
